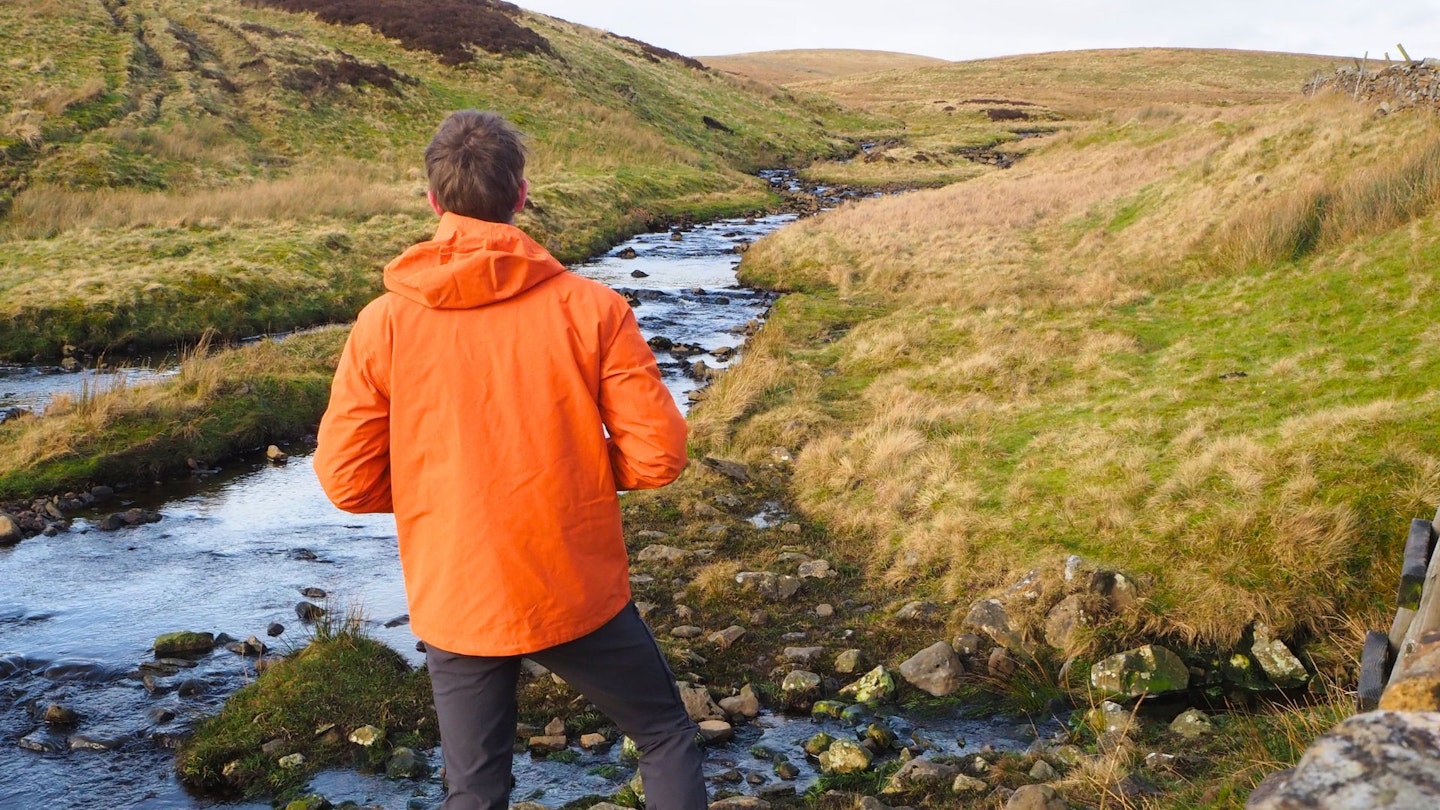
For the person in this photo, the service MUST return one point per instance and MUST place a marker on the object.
(497, 404)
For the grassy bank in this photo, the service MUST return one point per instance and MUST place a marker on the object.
(257, 165)
(1180, 340)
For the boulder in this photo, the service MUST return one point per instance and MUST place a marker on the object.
(308, 611)
(745, 704)
(1374, 760)
(716, 731)
(698, 703)
(874, 687)
(989, 617)
(366, 736)
(920, 773)
(1192, 725)
(849, 662)
(1062, 622)
(800, 689)
(9, 531)
(1276, 661)
(1036, 797)
(1148, 670)
(184, 642)
(844, 756)
(275, 455)
(935, 670)
(1044, 772)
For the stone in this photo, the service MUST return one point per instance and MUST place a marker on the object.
(251, 647)
(1379, 759)
(802, 655)
(988, 616)
(57, 715)
(1110, 718)
(1238, 669)
(935, 670)
(775, 587)
(1148, 670)
(817, 569)
(733, 470)
(800, 689)
(824, 610)
(686, 631)
(966, 786)
(874, 687)
(871, 803)
(725, 638)
(739, 803)
(184, 642)
(1036, 797)
(555, 728)
(1044, 772)
(629, 751)
(785, 769)
(920, 773)
(312, 802)
(745, 704)
(191, 687)
(308, 611)
(844, 756)
(10, 533)
(818, 744)
(366, 736)
(291, 761)
(85, 742)
(407, 763)
(667, 555)
(917, 611)
(832, 709)
(698, 703)
(1276, 661)
(1001, 664)
(274, 629)
(593, 741)
(548, 743)
(39, 742)
(849, 662)
(716, 731)
(275, 455)
(1192, 725)
(966, 644)
(1064, 621)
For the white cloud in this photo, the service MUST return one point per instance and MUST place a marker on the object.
(969, 30)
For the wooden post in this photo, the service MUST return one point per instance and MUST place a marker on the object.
(1427, 614)
(1403, 54)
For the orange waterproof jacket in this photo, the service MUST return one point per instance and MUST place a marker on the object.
(473, 401)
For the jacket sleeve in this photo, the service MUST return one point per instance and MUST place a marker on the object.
(352, 459)
(647, 430)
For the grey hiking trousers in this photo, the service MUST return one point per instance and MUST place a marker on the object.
(619, 668)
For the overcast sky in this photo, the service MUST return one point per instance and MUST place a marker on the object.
(964, 29)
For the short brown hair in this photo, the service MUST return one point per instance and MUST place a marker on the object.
(476, 165)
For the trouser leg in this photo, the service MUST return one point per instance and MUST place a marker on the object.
(475, 704)
(620, 669)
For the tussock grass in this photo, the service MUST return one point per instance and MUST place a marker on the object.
(788, 67)
(1102, 352)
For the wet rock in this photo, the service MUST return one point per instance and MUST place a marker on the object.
(548, 743)
(878, 736)
(875, 687)
(10, 533)
(1148, 670)
(822, 709)
(160, 715)
(844, 756)
(920, 773)
(111, 522)
(85, 742)
(407, 763)
(1035, 797)
(57, 715)
(1276, 661)
(800, 689)
(1378, 759)
(308, 611)
(935, 670)
(716, 731)
(775, 587)
(849, 662)
(698, 703)
(1192, 724)
(312, 802)
(745, 704)
(184, 642)
(101, 493)
(626, 253)
(313, 593)
(40, 742)
(191, 687)
(275, 455)
(251, 647)
(594, 741)
(818, 744)
(988, 616)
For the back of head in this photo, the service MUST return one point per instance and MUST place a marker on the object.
(476, 165)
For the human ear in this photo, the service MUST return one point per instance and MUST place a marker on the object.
(434, 203)
(524, 194)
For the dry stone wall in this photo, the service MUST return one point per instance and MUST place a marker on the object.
(1395, 87)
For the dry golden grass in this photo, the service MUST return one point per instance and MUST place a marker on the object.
(788, 67)
(1039, 362)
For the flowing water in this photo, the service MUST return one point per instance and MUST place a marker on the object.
(79, 612)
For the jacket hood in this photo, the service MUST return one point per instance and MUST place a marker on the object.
(470, 263)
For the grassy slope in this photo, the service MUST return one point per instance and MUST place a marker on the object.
(167, 177)
(789, 67)
(1039, 362)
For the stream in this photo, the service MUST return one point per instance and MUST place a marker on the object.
(79, 612)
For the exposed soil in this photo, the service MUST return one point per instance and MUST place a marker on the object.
(447, 28)
(655, 53)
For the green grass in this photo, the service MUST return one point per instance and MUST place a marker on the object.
(340, 678)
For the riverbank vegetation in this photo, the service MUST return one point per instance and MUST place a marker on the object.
(158, 152)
